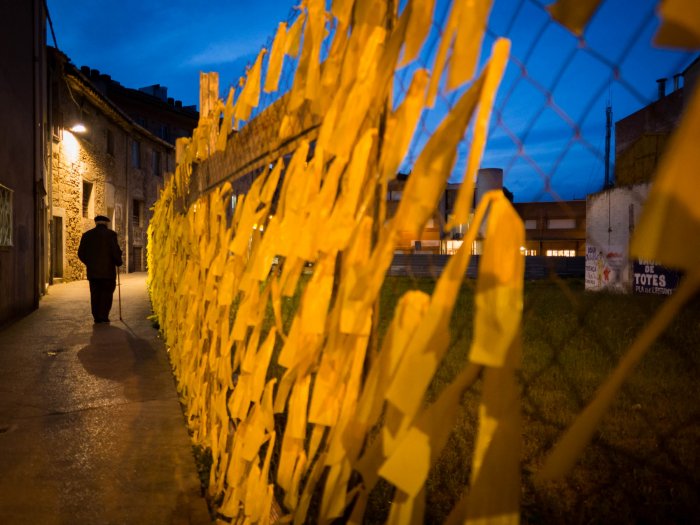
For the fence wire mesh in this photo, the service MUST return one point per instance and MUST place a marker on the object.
(547, 134)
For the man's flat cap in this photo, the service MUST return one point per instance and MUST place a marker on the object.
(101, 218)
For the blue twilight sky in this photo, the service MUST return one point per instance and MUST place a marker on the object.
(554, 83)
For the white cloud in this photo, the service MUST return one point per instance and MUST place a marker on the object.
(221, 53)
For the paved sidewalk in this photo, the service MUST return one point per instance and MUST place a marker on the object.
(91, 431)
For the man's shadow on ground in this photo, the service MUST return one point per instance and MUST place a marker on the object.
(117, 354)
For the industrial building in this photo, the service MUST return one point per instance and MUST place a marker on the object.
(641, 139)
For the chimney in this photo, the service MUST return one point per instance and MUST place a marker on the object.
(178, 103)
(662, 87)
(676, 81)
(85, 70)
(487, 179)
(95, 73)
(171, 101)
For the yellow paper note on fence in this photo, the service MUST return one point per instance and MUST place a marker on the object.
(499, 288)
(574, 14)
(467, 44)
(418, 28)
(274, 66)
(680, 24)
(298, 403)
(409, 474)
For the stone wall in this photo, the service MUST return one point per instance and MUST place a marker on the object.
(75, 160)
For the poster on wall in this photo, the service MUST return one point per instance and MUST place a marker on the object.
(652, 278)
(604, 266)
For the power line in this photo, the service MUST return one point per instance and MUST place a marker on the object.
(48, 17)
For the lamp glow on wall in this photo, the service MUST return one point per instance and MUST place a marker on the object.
(78, 127)
(70, 147)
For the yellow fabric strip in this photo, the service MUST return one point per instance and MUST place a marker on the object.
(313, 39)
(331, 69)
(327, 392)
(493, 75)
(262, 362)
(436, 72)
(342, 9)
(307, 76)
(298, 403)
(407, 510)
(333, 501)
(291, 447)
(288, 355)
(291, 498)
(409, 310)
(276, 60)
(317, 297)
(340, 136)
(494, 492)
(435, 163)
(408, 465)
(499, 288)
(309, 487)
(467, 43)
(250, 96)
(293, 40)
(402, 124)
(226, 122)
(418, 28)
(680, 24)
(574, 14)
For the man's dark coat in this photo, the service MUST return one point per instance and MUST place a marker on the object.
(100, 252)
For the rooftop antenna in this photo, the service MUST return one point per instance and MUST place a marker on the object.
(608, 128)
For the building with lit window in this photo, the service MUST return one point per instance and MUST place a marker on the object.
(552, 229)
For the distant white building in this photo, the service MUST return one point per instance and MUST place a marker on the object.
(611, 216)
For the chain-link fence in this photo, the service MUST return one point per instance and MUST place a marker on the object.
(554, 139)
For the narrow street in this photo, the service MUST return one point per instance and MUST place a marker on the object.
(91, 430)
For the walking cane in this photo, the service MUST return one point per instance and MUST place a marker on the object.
(119, 289)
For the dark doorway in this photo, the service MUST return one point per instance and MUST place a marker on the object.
(57, 247)
(137, 259)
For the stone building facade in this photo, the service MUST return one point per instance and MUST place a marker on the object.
(113, 167)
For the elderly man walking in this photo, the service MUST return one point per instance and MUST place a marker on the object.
(100, 252)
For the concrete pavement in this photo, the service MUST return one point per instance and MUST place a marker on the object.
(91, 430)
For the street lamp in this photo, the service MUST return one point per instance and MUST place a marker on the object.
(78, 127)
